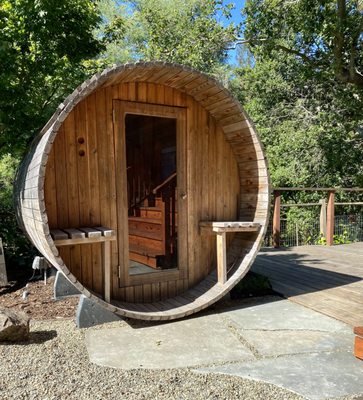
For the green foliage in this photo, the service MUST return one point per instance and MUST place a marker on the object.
(343, 238)
(186, 32)
(8, 166)
(309, 120)
(42, 46)
(324, 36)
(116, 31)
(321, 241)
(18, 250)
(302, 222)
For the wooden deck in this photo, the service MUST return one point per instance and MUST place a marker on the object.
(326, 279)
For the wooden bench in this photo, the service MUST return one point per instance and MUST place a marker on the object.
(221, 229)
(358, 343)
(99, 234)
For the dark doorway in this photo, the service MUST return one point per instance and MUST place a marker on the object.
(151, 184)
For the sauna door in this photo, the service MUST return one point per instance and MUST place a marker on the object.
(150, 160)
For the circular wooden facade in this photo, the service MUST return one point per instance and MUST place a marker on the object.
(76, 176)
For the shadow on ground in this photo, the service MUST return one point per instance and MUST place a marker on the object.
(36, 337)
(300, 270)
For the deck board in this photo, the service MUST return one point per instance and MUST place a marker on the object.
(326, 279)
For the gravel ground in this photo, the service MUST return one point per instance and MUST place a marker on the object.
(54, 365)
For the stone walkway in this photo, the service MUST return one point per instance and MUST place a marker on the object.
(268, 339)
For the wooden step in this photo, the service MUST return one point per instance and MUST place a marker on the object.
(145, 251)
(143, 227)
(147, 260)
(150, 212)
(145, 219)
(146, 233)
(147, 244)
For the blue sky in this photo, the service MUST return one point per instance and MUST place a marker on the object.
(236, 18)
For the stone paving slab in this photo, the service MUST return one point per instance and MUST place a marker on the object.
(277, 343)
(279, 314)
(190, 342)
(268, 339)
(314, 376)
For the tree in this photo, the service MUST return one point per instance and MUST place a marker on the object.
(324, 35)
(186, 32)
(42, 46)
(182, 31)
(310, 120)
(310, 128)
(116, 32)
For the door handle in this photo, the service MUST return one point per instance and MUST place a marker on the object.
(183, 196)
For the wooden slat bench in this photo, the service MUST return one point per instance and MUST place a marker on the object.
(221, 229)
(85, 235)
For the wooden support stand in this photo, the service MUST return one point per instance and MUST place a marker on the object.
(101, 234)
(358, 343)
(221, 229)
(221, 257)
(276, 224)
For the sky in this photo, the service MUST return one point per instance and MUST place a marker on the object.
(236, 18)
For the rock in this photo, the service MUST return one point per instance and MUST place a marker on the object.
(14, 325)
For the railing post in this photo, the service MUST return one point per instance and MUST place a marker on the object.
(276, 224)
(173, 221)
(167, 227)
(330, 219)
(323, 217)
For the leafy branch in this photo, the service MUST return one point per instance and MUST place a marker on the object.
(333, 44)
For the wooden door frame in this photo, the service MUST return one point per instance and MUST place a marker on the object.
(120, 109)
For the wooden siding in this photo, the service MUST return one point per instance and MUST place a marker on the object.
(81, 185)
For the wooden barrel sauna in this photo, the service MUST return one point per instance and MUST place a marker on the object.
(148, 188)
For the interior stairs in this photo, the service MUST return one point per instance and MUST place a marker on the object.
(147, 243)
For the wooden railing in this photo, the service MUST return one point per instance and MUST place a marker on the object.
(167, 181)
(327, 210)
(167, 191)
(138, 190)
